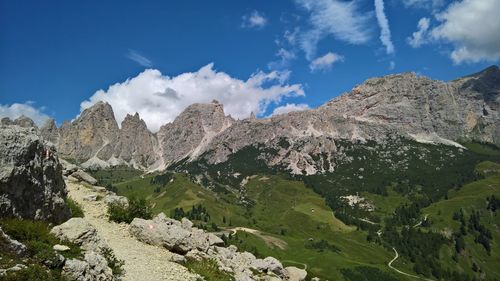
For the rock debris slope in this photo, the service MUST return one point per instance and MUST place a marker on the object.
(142, 261)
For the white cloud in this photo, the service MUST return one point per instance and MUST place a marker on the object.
(27, 109)
(383, 22)
(139, 58)
(254, 20)
(159, 99)
(289, 107)
(420, 37)
(473, 27)
(340, 19)
(325, 62)
(285, 56)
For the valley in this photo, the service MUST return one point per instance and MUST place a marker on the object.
(349, 241)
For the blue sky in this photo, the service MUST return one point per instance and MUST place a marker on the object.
(56, 55)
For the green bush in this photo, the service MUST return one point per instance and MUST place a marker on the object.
(137, 208)
(113, 262)
(75, 208)
(209, 270)
(43, 262)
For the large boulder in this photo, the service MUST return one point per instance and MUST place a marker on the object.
(82, 176)
(93, 267)
(31, 182)
(80, 232)
(295, 274)
(173, 235)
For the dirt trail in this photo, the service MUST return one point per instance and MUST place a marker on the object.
(270, 240)
(142, 261)
(401, 272)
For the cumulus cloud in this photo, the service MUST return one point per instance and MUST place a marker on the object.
(159, 99)
(27, 109)
(420, 37)
(383, 22)
(340, 19)
(325, 62)
(473, 27)
(254, 20)
(289, 107)
(139, 58)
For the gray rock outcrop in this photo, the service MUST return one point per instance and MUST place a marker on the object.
(192, 131)
(8, 244)
(80, 232)
(94, 265)
(80, 175)
(49, 131)
(136, 145)
(195, 244)
(91, 136)
(31, 182)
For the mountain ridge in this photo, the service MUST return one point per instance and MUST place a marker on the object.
(405, 104)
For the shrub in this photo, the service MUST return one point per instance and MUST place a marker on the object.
(113, 262)
(43, 262)
(137, 208)
(75, 208)
(209, 270)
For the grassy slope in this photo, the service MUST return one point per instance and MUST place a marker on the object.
(280, 205)
(470, 197)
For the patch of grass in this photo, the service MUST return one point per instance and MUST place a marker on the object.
(137, 208)
(209, 270)
(75, 208)
(366, 273)
(114, 175)
(114, 263)
(34, 272)
(42, 261)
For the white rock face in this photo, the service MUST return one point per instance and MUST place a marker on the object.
(31, 182)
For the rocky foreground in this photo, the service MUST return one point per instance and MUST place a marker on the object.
(156, 249)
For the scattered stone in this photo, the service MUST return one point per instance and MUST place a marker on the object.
(93, 267)
(61, 248)
(115, 199)
(295, 274)
(90, 197)
(80, 232)
(83, 176)
(99, 189)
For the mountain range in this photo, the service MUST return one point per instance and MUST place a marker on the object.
(405, 105)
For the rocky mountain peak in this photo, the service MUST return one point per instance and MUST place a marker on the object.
(25, 122)
(49, 131)
(192, 131)
(133, 122)
(136, 145)
(91, 135)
